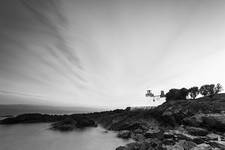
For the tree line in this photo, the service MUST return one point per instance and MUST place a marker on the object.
(205, 90)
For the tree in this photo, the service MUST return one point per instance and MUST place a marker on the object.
(193, 91)
(204, 90)
(177, 94)
(210, 89)
(218, 88)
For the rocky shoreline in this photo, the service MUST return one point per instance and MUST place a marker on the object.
(177, 125)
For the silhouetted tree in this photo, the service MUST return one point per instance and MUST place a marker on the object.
(210, 89)
(177, 94)
(206, 89)
(193, 91)
(183, 93)
(218, 88)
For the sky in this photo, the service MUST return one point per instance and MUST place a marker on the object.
(107, 53)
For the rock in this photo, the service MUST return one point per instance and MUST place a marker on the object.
(215, 121)
(143, 146)
(66, 125)
(174, 147)
(168, 135)
(69, 124)
(187, 145)
(84, 122)
(218, 144)
(211, 121)
(213, 136)
(197, 131)
(199, 140)
(178, 135)
(138, 131)
(134, 146)
(202, 147)
(154, 142)
(138, 137)
(152, 133)
(195, 120)
(124, 134)
(168, 141)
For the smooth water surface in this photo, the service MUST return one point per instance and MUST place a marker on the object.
(39, 137)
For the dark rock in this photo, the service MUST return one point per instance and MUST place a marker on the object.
(65, 125)
(195, 120)
(214, 121)
(134, 146)
(210, 121)
(124, 134)
(218, 144)
(197, 131)
(202, 146)
(138, 137)
(69, 124)
(84, 122)
(213, 136)
(187, 145)
(152, 133)
(138, 131)
(198, 140)
(168, 141)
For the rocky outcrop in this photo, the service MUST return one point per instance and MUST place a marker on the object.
(210, 121)
(125, 134)
(65, 125)
(197, 131)
(69, 124)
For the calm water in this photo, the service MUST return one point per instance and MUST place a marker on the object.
(39, 137)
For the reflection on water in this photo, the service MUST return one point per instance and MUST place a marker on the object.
(39, 137)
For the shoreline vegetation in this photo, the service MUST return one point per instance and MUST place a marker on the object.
(193, 124)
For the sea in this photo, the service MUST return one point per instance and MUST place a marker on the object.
(38, 136)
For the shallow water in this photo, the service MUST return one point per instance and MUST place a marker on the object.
(39, 137)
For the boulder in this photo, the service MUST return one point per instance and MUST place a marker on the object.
(168, 141)
(197, 131)
(213, 136)
(195, 120)
(124, 134)
(218, 144)
(214, 121)
(168, 135)
(202, 146)
(174, 147)
(187, 145)
(143, 146)
(138, 137)
(152, 133)
(211, 121)
(178, 135)
(138, 131)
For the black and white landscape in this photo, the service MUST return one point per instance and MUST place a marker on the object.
(112, 75)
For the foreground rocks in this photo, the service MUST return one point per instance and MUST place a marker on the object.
(180, 138)
(125, 134)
